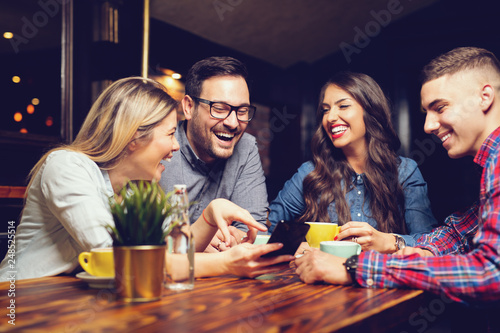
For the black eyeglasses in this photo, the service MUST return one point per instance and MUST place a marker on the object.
(221, 110)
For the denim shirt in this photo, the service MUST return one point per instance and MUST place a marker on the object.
(290, 204)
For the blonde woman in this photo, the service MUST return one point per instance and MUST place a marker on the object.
(127, 133)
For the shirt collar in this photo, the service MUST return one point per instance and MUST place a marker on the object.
(187, 151)
(488, 147)
(185, 146)
(107, 183)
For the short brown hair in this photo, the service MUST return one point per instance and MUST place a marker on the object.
(212, 67)
(459, 59)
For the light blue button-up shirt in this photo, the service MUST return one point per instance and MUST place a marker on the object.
(290, 205)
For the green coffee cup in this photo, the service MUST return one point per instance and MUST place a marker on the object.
(344, 249)
(261, 239)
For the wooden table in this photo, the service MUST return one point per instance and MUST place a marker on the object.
(272, 303)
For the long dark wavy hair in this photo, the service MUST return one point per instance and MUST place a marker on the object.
(332, 176)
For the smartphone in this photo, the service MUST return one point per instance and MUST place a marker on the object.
(290, 234)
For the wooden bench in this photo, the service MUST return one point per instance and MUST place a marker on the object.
(12, 192)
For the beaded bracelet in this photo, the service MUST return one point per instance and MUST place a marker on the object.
(210, 224)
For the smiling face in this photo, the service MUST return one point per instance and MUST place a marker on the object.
(212, 138)
(143, 159)
(454, 113)
(343, 121)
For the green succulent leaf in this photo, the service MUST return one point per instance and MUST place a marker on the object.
(139, 211)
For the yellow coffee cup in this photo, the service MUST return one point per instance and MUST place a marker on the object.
(98, 262)
(321, 231)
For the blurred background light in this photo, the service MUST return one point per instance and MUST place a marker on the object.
(18, 116)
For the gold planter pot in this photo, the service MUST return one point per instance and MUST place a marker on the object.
(139, 272)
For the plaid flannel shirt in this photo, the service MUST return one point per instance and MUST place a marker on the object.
(466, 267)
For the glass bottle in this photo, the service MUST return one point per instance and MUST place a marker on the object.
(179, 259)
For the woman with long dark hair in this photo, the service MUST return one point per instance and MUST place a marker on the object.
(356, 178)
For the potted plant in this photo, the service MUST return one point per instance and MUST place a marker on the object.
(139, 212)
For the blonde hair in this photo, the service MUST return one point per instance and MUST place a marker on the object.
(127, 110)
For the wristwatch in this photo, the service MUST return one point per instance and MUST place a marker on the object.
(399, 243)
(351, 264)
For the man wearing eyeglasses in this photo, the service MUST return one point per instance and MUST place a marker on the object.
(217, 159)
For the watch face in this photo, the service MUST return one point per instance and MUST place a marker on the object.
(351, 263)
(401, 243)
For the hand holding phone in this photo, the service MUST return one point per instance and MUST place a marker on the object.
(290, 234)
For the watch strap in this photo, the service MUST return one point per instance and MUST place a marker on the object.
(351, 264)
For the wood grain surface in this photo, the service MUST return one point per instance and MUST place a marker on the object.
(12, 192)
(272, 303)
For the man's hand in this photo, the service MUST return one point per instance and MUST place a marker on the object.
(217, 243)
(318, 266)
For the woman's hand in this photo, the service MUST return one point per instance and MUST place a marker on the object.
(368, 237)
(220, 213)
(245, 260)
(318, 266)
(303, 248)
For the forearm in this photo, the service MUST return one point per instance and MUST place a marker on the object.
(455, 237)
(209, 264)
(202, 233)
(471, 278)
(442, 241)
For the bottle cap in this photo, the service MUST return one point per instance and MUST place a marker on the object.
(180, 188)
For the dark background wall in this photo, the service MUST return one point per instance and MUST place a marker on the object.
(393, 56)
(394, 59)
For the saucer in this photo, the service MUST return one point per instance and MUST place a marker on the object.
(98, 282)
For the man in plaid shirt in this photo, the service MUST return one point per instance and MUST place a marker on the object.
(461, 96)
